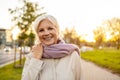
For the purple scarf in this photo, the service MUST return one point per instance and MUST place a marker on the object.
(59, 50)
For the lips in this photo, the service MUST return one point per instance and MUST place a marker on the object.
(47, 38)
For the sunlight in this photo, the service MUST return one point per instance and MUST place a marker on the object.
(108, 36)
(89, 38)
(83, 16)
(15, 33)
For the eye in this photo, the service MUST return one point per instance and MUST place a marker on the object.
(41, 30)
(50, 28)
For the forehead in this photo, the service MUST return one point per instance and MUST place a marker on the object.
(45, 21)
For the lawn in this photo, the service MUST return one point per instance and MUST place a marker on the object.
(10, 73)
(108, 58)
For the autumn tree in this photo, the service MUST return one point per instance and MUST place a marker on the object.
(71, 36)
(99, 35)
(24, 17)
(114, 28)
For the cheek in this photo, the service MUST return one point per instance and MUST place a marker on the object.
(56, 35)
(40, 35)
(56, 32)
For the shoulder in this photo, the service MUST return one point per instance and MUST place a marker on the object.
(75, 60)
(75, 55)
(72, 57)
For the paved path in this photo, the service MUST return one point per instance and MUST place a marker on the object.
(93, 72)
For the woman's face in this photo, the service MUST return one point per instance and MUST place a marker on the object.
(47, 32)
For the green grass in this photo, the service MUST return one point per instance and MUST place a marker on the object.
(108, 58)
(9, 72)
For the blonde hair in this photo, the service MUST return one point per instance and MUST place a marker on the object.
(41, 18)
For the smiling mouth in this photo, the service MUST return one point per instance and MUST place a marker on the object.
(48, 38)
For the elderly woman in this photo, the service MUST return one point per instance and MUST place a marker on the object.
(51, 58)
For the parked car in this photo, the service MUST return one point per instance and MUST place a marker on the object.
(7, 49)
(86, 48)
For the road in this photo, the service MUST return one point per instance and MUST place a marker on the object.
(6, 57)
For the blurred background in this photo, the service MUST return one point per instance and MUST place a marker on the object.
(93, 25)
(94, 21)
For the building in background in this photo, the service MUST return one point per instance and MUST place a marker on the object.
(2, 37)
(5, 37)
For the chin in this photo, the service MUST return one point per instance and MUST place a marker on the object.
(50, 43)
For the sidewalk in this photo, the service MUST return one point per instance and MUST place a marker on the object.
(93, 72)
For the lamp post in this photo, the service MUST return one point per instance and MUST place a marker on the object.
(15, 32)
(14, 46)
(14, 53)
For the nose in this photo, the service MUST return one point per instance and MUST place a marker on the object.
(46, 32)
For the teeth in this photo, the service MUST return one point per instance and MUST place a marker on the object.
(48, 38)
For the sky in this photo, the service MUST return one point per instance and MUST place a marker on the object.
(84, 15)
